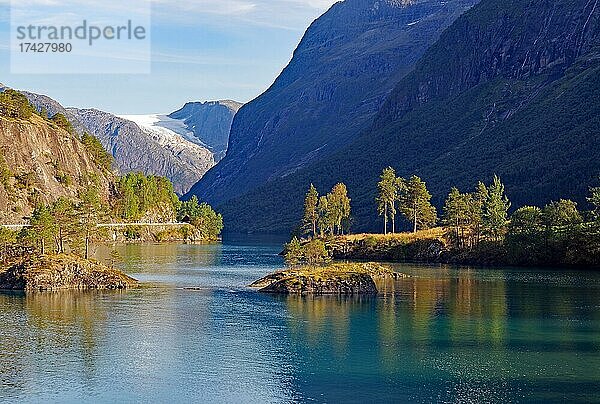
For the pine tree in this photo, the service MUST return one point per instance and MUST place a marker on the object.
(63, 212)
(90, 211)
(311, 212)
(458, 214)
(293, 253)
(43, 227)
(495, 210)
(415, 204)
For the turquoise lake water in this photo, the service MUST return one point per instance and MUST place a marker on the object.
(454, 335)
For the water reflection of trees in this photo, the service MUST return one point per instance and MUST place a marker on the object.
(407, 310)
(71, 323)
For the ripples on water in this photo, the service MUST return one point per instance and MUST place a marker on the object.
(198, 334)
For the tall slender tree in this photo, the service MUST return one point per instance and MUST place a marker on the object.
(63, 212)
(495, 210)
(339, 206)
(457, 215)
(325, 222)
(90, 211)
(387, 197)
(43, 227)
(311, 209)
(415, 204)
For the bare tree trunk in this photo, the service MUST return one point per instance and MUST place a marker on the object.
(415, 219)
(385, 218)
(87, 246)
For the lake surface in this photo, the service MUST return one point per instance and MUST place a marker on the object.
(453, 335)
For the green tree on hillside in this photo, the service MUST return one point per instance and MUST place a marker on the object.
(294, 253)
(200, 215)
(460, 214)
(151, 197)
(495, 210)
(326, 221)
(311, 210)
(62, 122)
(315, 253)
(13, 104)
(526, 220)
(415, 204)
(101, 157)
(388, 187)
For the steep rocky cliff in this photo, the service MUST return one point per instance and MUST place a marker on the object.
(183, 153)
(341, 72)
(511, 88)
(40, 162)
(210, 122)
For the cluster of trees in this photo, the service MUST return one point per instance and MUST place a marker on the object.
(61, 121)
(71, 225)
(327, 214)
(202, 216)
(101, 157)
(482, 213)
(150, 198)
(312, 253)
(408, 197)
(13, 104)
(65, 223)
(477, 222)
(555, 234)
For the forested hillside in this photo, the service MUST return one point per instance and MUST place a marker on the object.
(341, 73)
(511, 88)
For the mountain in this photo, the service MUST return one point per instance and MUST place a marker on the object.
(342, 71)
(149, 149)
(210, 122)
(41, 162)
(164, 146)
(510, 88)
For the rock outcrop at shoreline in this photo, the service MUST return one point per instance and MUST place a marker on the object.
(424, 246)
(62, 272)
(335, 279)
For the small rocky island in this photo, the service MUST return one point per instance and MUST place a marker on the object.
(62, 272)
(338, 278)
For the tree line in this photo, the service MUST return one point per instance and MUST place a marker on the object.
(72, 224)
(555, 233)
(327, 214)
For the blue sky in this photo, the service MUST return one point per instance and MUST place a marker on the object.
(201, 50)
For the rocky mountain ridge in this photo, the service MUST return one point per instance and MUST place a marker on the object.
(342, 71)
(209, 122)
(510, 89)
(179, 154)
(40, 162)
